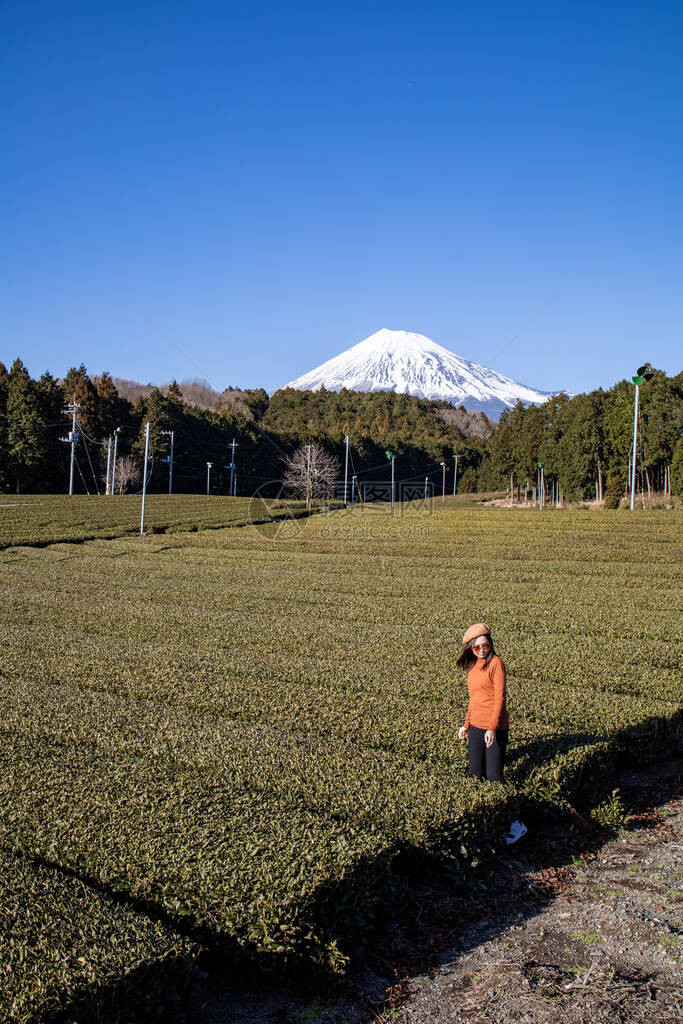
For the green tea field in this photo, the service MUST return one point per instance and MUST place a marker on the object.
(48, 519)
(239, 739)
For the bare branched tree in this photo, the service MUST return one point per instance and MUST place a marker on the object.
(311, 473)
(128, 474)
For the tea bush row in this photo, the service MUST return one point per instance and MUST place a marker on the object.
(47, 519)
(63, 944)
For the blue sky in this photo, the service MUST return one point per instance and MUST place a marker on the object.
(273, 182)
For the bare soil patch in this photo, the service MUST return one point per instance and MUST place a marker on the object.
(569, 925)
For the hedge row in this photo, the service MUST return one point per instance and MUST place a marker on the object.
(41, 519)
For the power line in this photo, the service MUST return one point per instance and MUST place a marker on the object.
(264, 433)
(80, 427)
(519, 332)
(81, 475)
(92, 470)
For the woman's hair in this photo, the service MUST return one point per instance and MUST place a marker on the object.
(468, 658)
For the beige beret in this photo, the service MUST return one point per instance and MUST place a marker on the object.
(478, 629)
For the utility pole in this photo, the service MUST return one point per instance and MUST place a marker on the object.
(642, 375)
(426, 481)
(144, 479)
(542, 488)
(346, 466)
(309, 485)
(390, 455)
(637, 380)
(208, 476)
(455, 477)
(540, 484)
(72, 439)
(113, 465)
(443, 482)
(106, 489)
(170, 434)
(231, 467)
(393, 489)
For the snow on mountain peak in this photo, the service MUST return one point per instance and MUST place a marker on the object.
(410, 363)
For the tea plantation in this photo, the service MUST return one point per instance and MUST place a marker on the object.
(238, 739)
(48, 519)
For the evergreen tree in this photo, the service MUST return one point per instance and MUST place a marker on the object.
(27, 447)
(77, 383)
(53, 472)
(662, 422)
(677, 470)
(614, 492)
(619, 426)
(4, 440)
(110, 409)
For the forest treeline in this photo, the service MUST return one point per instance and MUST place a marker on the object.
(584, 442)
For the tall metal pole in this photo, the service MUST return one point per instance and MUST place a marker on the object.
(208, 476)
(109, 465)
(426, 479)
(113, 465)
(144, 479)
(73, 439)
(455, 477)
(443, 482)
(170, 465)
(633, 461)
(346, 466)
(392, 481)
(231, 489)
(169, 433)
(309, 485)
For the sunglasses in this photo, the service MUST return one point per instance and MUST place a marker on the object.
(481, 647)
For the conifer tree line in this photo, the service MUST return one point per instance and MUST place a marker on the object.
(584, 442)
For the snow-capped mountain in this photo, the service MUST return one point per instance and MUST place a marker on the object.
(413, 364)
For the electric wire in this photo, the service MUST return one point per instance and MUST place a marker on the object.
(80, 427)
(81, 474)
(92, 468)
(150, 460)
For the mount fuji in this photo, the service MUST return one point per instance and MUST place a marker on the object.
(412, 364)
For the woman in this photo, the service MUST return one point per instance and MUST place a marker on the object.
(486, 724)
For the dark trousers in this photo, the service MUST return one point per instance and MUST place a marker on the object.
(486, 762)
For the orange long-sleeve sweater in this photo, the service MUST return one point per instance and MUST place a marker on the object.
(486, 686)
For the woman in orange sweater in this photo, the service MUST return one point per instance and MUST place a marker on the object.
(486, 724)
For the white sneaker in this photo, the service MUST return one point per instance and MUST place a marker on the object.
(517, 830)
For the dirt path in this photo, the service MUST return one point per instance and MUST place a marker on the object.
(608, 944)
(568, 927)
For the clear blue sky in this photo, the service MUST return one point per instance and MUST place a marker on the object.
(272, 182)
